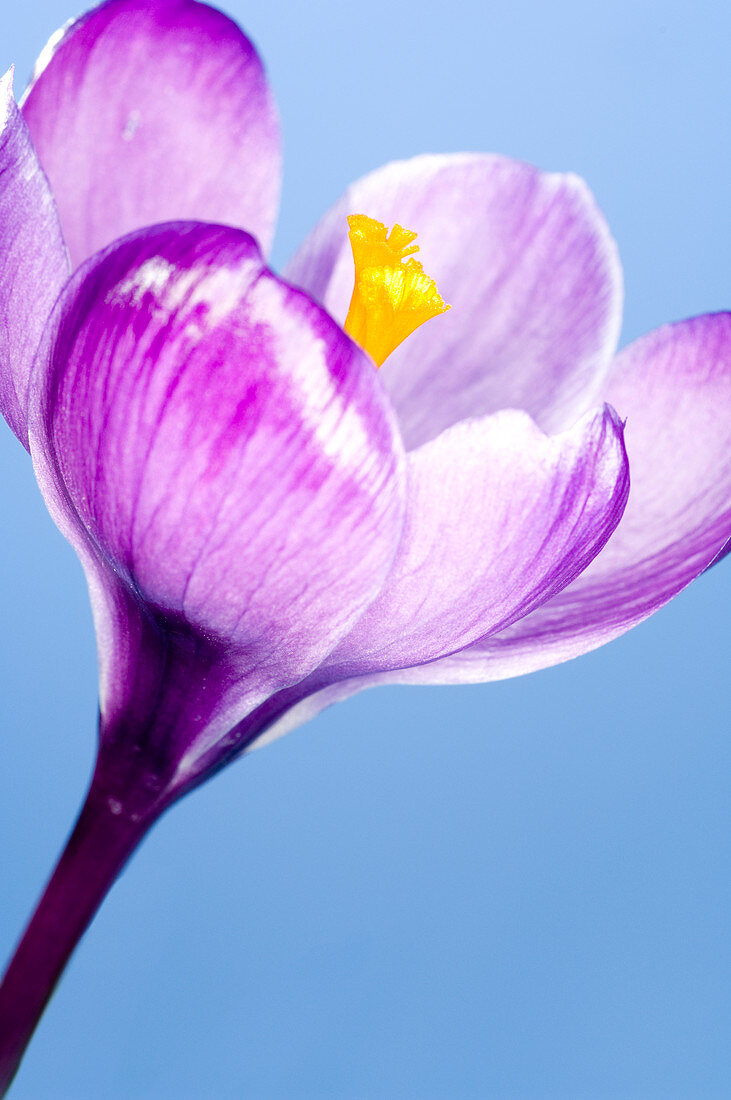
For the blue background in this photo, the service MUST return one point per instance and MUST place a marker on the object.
(510, 890)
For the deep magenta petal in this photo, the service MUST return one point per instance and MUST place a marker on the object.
(225, 462)
(147, 111)
(33, 260)
(529, 267)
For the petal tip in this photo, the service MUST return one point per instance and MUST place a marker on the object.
(176, 95)
(7, 98)
(608, 412)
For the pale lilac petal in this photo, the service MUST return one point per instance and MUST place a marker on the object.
(674, 387)
(499, 518)
(297, 711)
(145, 112)
(33, 260)
(527, 263)
(222, 457)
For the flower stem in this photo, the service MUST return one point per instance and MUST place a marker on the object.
(102, 841)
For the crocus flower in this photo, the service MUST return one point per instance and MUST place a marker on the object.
(267, 523)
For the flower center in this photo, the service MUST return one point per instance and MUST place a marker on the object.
(392, 295)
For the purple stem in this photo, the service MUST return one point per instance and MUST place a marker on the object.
(101, 843)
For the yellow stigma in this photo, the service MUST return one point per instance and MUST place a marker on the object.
(392, 295)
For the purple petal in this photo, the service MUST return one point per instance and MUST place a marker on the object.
(145, 112)
(499, 518)
(528, 265)
(33, 260)
(220, 454)
(674, 387)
